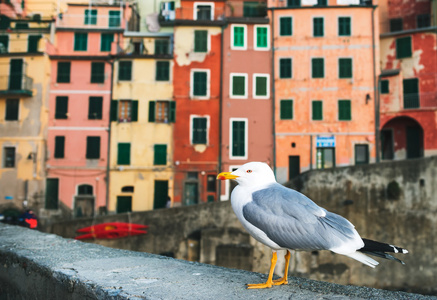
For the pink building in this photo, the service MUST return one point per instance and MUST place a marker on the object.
(79, 102)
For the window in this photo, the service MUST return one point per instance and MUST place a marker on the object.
(97, 72)
(61, 107)
(90, 16)
(317, 67)
(162, 111)
(162, 71)
(344, 110)
(286, 109)
(361, 154)
(63, 75)
(211, 183)
(261, 37)
(254, 9)
(345, 67)
(285, 68)
(106, 40)
(325, 158)
(203, 12)
(123, 154)
(160, 155)
(396, 25)
(403, 47)
(85, 189)
(161, 47)
(199, 84)
(293, 3)
(238, 136)
(318, 27)
(4, 43)
(11, 110)
(114, 18)
(124, 110)
(238, 85)
(411, 93)
(344, 26)
(80, 41)
(261, 86)
(59, 146)
(52, 193)
(199, 130)
(92, 147)
(127, 189)
(238, 37)
(9, 157)
(317, 110)
(95, 108)
(423, 21)
(322, 3)
(32, 44)
(125, 70)
(285, 26)
(201, 41)
(385, 89)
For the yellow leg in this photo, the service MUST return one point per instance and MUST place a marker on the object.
(269, 281)
(284, 280)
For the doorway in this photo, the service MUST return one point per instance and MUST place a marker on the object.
(161, 194)
(293, 166)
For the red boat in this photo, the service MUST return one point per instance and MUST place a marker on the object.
(111, 230)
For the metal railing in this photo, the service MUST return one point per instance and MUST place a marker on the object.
(15, 83)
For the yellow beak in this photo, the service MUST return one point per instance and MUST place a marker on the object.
(226, 175)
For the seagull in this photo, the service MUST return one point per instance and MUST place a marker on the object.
(284, 219)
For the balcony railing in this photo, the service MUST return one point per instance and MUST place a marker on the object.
(90, 21)
(16, 85)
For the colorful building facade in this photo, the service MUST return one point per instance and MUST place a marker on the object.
(324, 74)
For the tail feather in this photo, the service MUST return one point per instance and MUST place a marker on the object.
(379, 249)
(364, 259)
(383, 255)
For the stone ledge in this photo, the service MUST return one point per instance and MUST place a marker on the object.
(35, 265)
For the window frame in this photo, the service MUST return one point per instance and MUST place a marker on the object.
(244, 46)
(384, 88)
(280, 67)
(80, 44)
(340, 68)
(340, 116)
(90, 17)
(97, 77)
(159, 73)
(112, 19)
(231, 138)
(195, 9)
(59, 147)
(159, 48)
(61, 75)
(103, 45)
(231, 85)
(313, 102)
(192, 117)
(89, 152)
(340, 28)
(254, 77)
(255, 38)
(283, 116)
(208, 79)
(157, 159)
(119, 73)
(367, 150)
(314, 26)
(121, 162)
(313, 68)
(98, 113)
(405, 54)
(207, 41)
(6, 157)
(12, 110)
(291, 25)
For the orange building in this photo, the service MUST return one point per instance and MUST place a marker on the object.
(324, 56)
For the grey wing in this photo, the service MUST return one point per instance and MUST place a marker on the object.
(293, 221)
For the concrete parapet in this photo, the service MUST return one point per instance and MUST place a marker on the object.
(35, 265)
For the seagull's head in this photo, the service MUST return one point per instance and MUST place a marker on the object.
(250, 174)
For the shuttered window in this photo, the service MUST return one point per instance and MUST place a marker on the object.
(4, 43)
(52, 193)
(161, 47)
(286, 110)
(162, 71)
(344, 26)
(285, 66)
(114, 18)
(59, 146)
(12, 109)
(80, 41)
(125, 70)
(123, 154)
(90, 16)
(200, 83)
(61, 107)
(200, 41)
(106, 40)
(345, 67)
(239, 36)
(92, 147)
(385, 88)
(317, 110)
(285, 26)
(199, 131)
(9, 157)
(403, 47)
(97, 72)
(239, 85)
(261, 86)
(318, 27)
(317, 68)
(32, 43)
(344, 110)
(160, 155)
(261, 37)
(95, 108)
(411, 93)
(63, 75)
(238, 146)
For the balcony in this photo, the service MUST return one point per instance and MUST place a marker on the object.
(16, 85)
(143, 45)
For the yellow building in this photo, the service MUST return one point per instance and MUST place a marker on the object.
(141, 131)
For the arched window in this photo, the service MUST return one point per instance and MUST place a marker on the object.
(127, 189)
(85, 189)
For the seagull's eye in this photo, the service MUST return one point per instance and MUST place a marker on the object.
(249, 171)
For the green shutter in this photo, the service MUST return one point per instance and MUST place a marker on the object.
(114, 110)
(114, 18)
(261, 86)
(4, 40)
(344, 110)
(92, 147)
(63, 75)
(238, 138)
(239, 36)
(61, 107)
(344, 26)
(199, 131)
(318, 68)
(200, 41)
(285, 26)
(90, 17)
(317, 110)
(32, 45)
(411, 93)
(172, 113)
(199, 83)
(238, 85)
(261, 37)
(59, 146)
(106, 40)
(286, 109)
(385, 87)
(52, 193)
(97, 72)
(403, 47)
(345, 67)
(125, 70)
(161, 47)
(285, 67)
(318, 27)
(95, 108)
(162, 70)
(12, 108)
(152, 106)
(160, 155)
(80, 41)
(124, 204)
(134, 111)
(123, 154)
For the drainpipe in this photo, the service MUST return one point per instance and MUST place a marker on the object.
(273, 91)
(220, 114)
(375, 90)
(111, 63)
